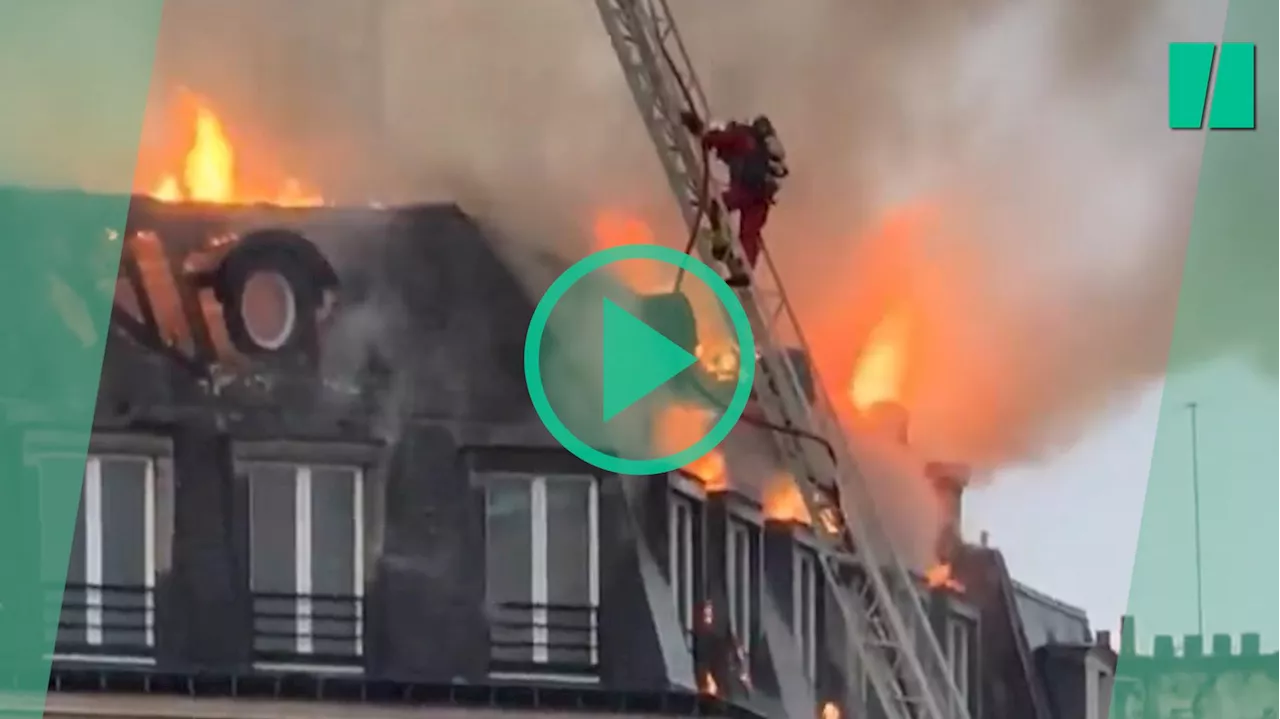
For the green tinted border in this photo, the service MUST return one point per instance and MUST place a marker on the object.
(538, 328)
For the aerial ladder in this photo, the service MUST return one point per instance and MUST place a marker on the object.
(892, 640)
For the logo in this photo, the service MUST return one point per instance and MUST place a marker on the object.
(1234, 88)
(598, 365)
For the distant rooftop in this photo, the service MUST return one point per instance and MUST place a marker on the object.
(1050, 621)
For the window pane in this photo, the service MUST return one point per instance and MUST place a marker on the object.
(124, 551)
(569, 570)
(508, 563)
(805, 611)
(333, 547)
(682, 559)
(742, 577)
(273, 516)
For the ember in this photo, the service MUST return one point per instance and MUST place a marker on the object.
(940, 576)
(709, 685)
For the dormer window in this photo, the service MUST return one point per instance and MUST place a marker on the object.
(306, 551)
(743, 575)
(682, 527)
(958, 646)
(108, 604)
(543, 582)
(805, 605)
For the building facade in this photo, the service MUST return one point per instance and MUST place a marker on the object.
(382, 520)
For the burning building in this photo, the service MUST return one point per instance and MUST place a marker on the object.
(314, 474)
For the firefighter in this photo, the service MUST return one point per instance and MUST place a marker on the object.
(757, 165)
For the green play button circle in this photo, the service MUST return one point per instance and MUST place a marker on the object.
(637, 359)
(622, 363)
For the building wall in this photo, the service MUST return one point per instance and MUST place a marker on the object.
(425, 412)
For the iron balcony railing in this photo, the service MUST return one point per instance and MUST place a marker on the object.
(544, 638)
(101, 620)
(312, 629)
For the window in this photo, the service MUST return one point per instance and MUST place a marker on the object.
(542, 561)
(742, 575)
(307, 562)
(108, 604)
(957, 645)
(805, 604)
(681, 521)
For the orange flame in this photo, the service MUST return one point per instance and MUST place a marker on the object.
(717, 353)
(783, 501)
(711, 471)
(940, 576)
(719, 359)
(677, 427)
(209, 172)
(880, 372)
(709, 685)
(830, 711)
(612, 228)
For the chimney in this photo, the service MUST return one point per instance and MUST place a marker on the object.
(949, 480)
(1128, 636)
(1103, 639)
(1163, 646)
(892, 420)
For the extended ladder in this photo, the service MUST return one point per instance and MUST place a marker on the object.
(879, 598)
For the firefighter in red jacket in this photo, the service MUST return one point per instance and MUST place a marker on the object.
(757, 164)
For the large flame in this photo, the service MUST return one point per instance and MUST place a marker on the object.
(676, 427)
(209, 172)
(615, 228)
(880, 372)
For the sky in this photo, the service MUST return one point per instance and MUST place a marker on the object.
(1070, 527)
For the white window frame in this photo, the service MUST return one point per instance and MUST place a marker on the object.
(958, 653)
(304, 642)
(740, 533)
(805, 608)
(90, 513)
(540, 578)
(681, 557)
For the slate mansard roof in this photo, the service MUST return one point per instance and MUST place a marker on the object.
(420, 399)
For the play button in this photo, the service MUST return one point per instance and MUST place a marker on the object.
(600, 377)
(636, 359)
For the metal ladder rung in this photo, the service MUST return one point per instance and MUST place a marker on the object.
(659, 72)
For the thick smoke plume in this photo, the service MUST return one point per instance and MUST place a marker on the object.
(999, 171)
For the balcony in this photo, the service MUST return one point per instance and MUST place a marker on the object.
(308, 630)
(102, 622)
(544, 640)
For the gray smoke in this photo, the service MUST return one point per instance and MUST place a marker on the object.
(1031, 131)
